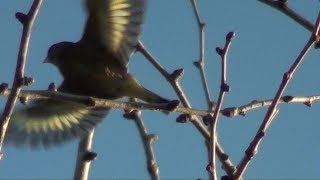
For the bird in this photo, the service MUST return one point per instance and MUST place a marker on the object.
(95, 66)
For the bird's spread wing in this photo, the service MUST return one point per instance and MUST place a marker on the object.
(50, 122)
(115, 24)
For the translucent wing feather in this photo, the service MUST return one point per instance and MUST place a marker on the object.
(115, 24)
(50, 122)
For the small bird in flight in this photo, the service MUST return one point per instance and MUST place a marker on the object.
(97, 66)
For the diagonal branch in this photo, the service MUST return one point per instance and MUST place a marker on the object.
(282, 6)
(173, 80)
(27, 21)
(272, 110)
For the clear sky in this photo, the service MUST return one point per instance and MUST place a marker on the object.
(266, 44)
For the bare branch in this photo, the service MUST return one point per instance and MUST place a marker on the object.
(148, 140)
(242, 110)
(84, 158)
(173, 80)
(272, 110)
(282, 6)
(90, 101)
(200, 62)
(224, 87)
(27, 21)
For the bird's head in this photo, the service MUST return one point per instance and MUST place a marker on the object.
(56, 53)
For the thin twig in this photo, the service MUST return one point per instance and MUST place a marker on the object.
(27, 21)
(173, 80)
(224, 87)
(84, 158)
(272, 110)
(200, 63)
(282, 6)
(242, 110)
(148, 140)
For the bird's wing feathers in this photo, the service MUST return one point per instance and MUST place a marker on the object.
(50, 122)
(115, 24)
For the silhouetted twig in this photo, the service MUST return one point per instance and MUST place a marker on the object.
(282, 6)
(20, 80)
(84, 157)
(272, 110)
(224, 87)
(173, 80)
(148, 140)
(200, 62)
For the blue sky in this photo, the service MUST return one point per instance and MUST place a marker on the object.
(266, 44)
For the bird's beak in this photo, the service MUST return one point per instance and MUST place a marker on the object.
(46, 60)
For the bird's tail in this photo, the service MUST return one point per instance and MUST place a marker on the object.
(132, 88)
(152, 97)
(50, 122)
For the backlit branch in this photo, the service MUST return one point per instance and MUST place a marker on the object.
(20, 80)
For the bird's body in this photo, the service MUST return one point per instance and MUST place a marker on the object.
(96, 66)
(107, 79)
(110, 79)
